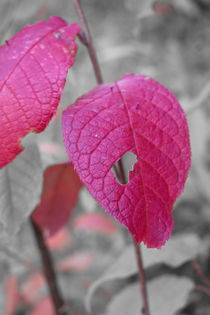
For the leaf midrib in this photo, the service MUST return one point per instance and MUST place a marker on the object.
(21, 58)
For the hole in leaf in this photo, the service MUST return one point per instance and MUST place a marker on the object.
(126, 162)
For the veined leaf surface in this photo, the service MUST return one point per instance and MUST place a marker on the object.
(34, 65)
(135, 114)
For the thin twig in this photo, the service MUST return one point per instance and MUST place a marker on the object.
(49, 272)
(86, 39)
(142, 280)
(203, 289)
(197, 268)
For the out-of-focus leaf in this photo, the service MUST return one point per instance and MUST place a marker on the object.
(30, 289)
(87, 202)
(167, 294)
(21, 249)
(44, 306)
(187, 7)
(199, 131)
(176, 252)
(77, 262)
(162, 8)
(59, 240)
(2, 298)
(28, 9)
(12, 296)
(20, 190)
(59, 196)
(52, 153)
(95, 222)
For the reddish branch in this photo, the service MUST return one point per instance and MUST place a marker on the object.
(49, 272)
(86, 39)
(203, 289)
(142, 280)
(197, 268)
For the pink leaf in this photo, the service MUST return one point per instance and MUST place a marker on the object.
(77, 262)
(139, 115)
(59, 196)
(31, 288)
(96, 222)
(59, 240)
(34, 65)
(44, 306)
(12, 296)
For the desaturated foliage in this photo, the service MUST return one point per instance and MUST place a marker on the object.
(93, 257)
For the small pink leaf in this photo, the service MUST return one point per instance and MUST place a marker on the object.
(77, 262)
(34, 65)
(44, 306)
(59, 196)
(96, 222)
(139, 115)
(59, 240)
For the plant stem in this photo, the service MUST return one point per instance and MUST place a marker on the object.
(197, 268)
(121, 171)
(142, 280)
(202, 289)
(87, 40)
(49, 272)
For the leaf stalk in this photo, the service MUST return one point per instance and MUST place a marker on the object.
(142, 280)
(49, 271)
(86, 39)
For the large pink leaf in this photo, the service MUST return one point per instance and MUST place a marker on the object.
(139, 115)
(33, 68)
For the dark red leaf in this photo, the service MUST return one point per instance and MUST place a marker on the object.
(59, 196)
(139, 115)
(34, 65)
